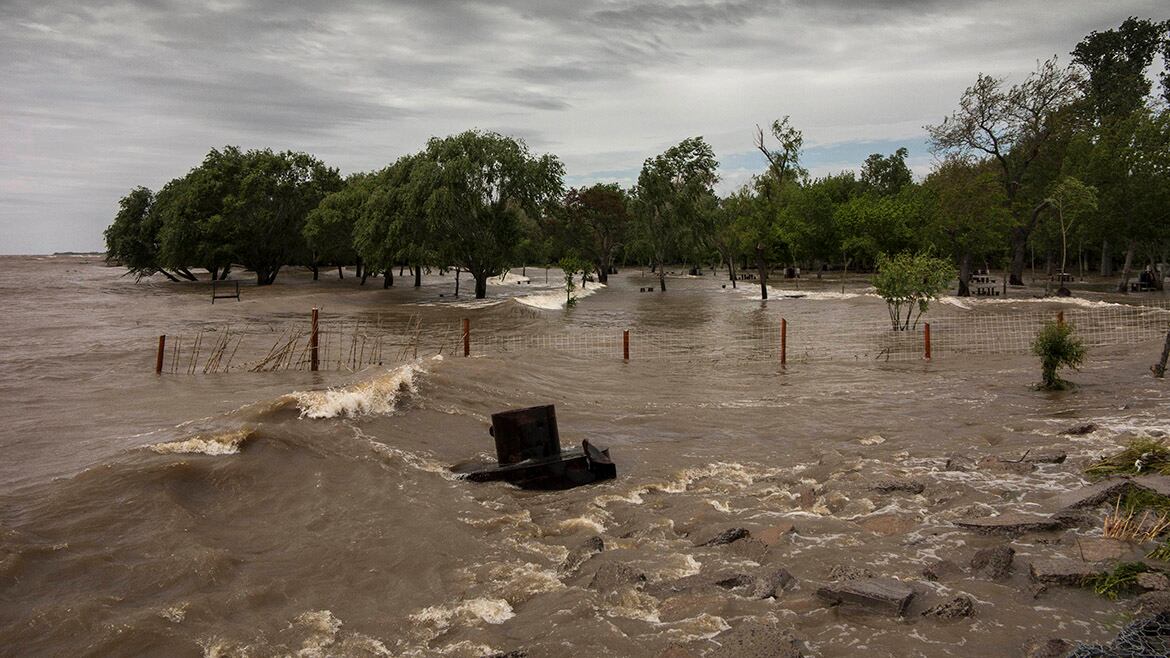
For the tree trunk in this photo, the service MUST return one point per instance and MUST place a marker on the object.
(417, 276)
(186, 274)
(388, 279)
(340, 272)
(457, 281)
(964, 275)
(361, 272)
(1106, 259)
(364, 274)
(602, 271)
(1019, 256)
(762, 266)
(168, 275)
(1125, 269)
(731, 270)
(480, 284)
(316, 272)
(400, 268)
(661, 276)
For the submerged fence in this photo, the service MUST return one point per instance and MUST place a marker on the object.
(349, 345)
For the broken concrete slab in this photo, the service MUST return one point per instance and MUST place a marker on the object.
(1038, 457)
(883, 595)
(901, 485)
(1010, 523)
(757, 639)
(1153, 582)
(775, 534)
(1159, 484)
(1079, 430)
(772, 584)
(1099, 549)
(1062, 571)
(957, 608)
(888, 524)
(994, 562)
(750, 548)
(1047, 648)
(579, 555)
(725, 537)
(940, 569)
(1090, 496)
(995, 464)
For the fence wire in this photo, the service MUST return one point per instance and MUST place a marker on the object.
(350, 345)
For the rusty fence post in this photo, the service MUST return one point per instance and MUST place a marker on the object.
(313, 343)
(466, 336)
(626, 345)
(1060, 317)
(783, 342)
(158, 359)
(926, 337)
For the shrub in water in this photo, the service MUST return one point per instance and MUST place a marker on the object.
(1057, 348)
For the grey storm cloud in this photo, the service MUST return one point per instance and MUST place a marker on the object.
(105, 95)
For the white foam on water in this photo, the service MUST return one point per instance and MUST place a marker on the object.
(632, 604)
(224, 443)
(555, 299)
(322, 626)
(375, 396)
(703, 626)
(815, 295)
(491, 611)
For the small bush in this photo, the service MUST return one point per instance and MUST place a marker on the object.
(1122, 579)
(1143, 455)
(1057, 348)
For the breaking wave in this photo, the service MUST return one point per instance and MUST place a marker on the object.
(224, 443)
(555, 299)
(380, 395)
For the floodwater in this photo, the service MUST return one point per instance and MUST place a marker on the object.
(312, 513)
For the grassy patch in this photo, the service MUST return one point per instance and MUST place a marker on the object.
(1142, 455)
(1160, 552)
(1121, 580)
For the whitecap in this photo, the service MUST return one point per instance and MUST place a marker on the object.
(224, 443)
(376, 396)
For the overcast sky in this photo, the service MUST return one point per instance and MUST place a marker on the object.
(98, 97)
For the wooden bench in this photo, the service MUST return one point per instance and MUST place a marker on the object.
(225, 290)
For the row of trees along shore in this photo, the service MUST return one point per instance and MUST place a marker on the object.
(1073, 162)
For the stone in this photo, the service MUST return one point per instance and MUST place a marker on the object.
(1159, 484)
(1090, 496)
(615, 575)
(772, 584)
(898, 485)
(940, 569)
(884, 595)
(757, 639)
(1099, 549)
(751, 549)
(807, 496)
(1073, 518)
(579, 555)
(1062, 571)
(1151, 603)
(888, 524)
(1080, 430)
(1049, 648)
(994, 562)
(960, 464)
(848, 572)
(1152, 581)
(1010, 523)
(957, 608)
(726, 537)
(1042, 457)
(993, 463)
(775, 534)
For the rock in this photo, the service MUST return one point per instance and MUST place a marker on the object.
(961, 464)
(703, 582)
(1062, 571)
(993, 463)
(847, 572)
(757, 639)
(957, 608)
(751, 548)
(940, 569)
(1072, 518)
(884, 595)
(1099, 549)
(776, 534)
(1090, 496)
(1153, 581)
(1037, 589)
(1159, 484)
(726, 537)
(888, 524)
(994, 562)
(807, 496)
(1050, 648)
(1080, 430)
(615, 575)
(1041, 457)
(1010, 523)
(772, 584)
(580, 554)
(898, 484)
(1151, 603)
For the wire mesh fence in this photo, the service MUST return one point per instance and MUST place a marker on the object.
(350, 345)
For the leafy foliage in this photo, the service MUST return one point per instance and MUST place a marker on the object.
(1057, 347)
(908, 282)
(1141, 455)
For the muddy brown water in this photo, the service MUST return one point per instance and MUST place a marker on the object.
(311, 513)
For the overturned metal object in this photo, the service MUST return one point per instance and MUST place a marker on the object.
(529, 455)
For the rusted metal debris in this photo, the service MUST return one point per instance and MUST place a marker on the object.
(529, 454)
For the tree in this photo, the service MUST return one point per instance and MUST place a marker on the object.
(909, 282)
(1057, 348)
(329, 228)
(571, 266)
(268, 212)
(669, 198)
(195, 230)
(1014, 127)
(1116, 62)
(871, 225)
(480, 184)
(886, 175)
(969, 218)
(783, 167)
(132, 239)
(1070, 201)
(394, 213)
(598, 218)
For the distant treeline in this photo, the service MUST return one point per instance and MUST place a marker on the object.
(1071, 164)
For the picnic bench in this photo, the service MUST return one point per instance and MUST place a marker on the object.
(225, 290)
(984, 285)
